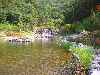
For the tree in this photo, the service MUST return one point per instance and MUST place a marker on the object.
(40, 12)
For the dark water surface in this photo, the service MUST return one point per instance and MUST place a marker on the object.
(38, 58)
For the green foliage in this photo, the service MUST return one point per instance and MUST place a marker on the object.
(84, 53)
(97, 20)
(20, 8)
(70, 28)
(8, 27)
(91, 23)
(44, 12)
(88, 23)
(67, 45)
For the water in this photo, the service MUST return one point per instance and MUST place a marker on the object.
(37, 58)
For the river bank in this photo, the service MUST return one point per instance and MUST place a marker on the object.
(22, 36)
(47, 35)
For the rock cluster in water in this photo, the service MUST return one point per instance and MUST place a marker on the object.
(43, 33)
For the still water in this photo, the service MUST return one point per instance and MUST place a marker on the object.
(37, 58)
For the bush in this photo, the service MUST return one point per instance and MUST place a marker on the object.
(83, 52)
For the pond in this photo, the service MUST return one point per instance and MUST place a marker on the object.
(37, 58)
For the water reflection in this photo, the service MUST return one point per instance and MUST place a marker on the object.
(41, 57)
(42, 41)
(19, 43)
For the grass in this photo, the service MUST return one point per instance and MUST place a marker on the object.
(8, 27)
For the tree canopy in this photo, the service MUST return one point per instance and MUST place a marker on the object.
(39, 12)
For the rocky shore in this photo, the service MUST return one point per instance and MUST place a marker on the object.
(43, 34)
(95, 65)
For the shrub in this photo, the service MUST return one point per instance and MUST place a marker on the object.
(83, 52)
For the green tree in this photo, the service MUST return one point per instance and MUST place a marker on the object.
(40, 12)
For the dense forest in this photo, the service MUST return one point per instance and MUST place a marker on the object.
(25, 14)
